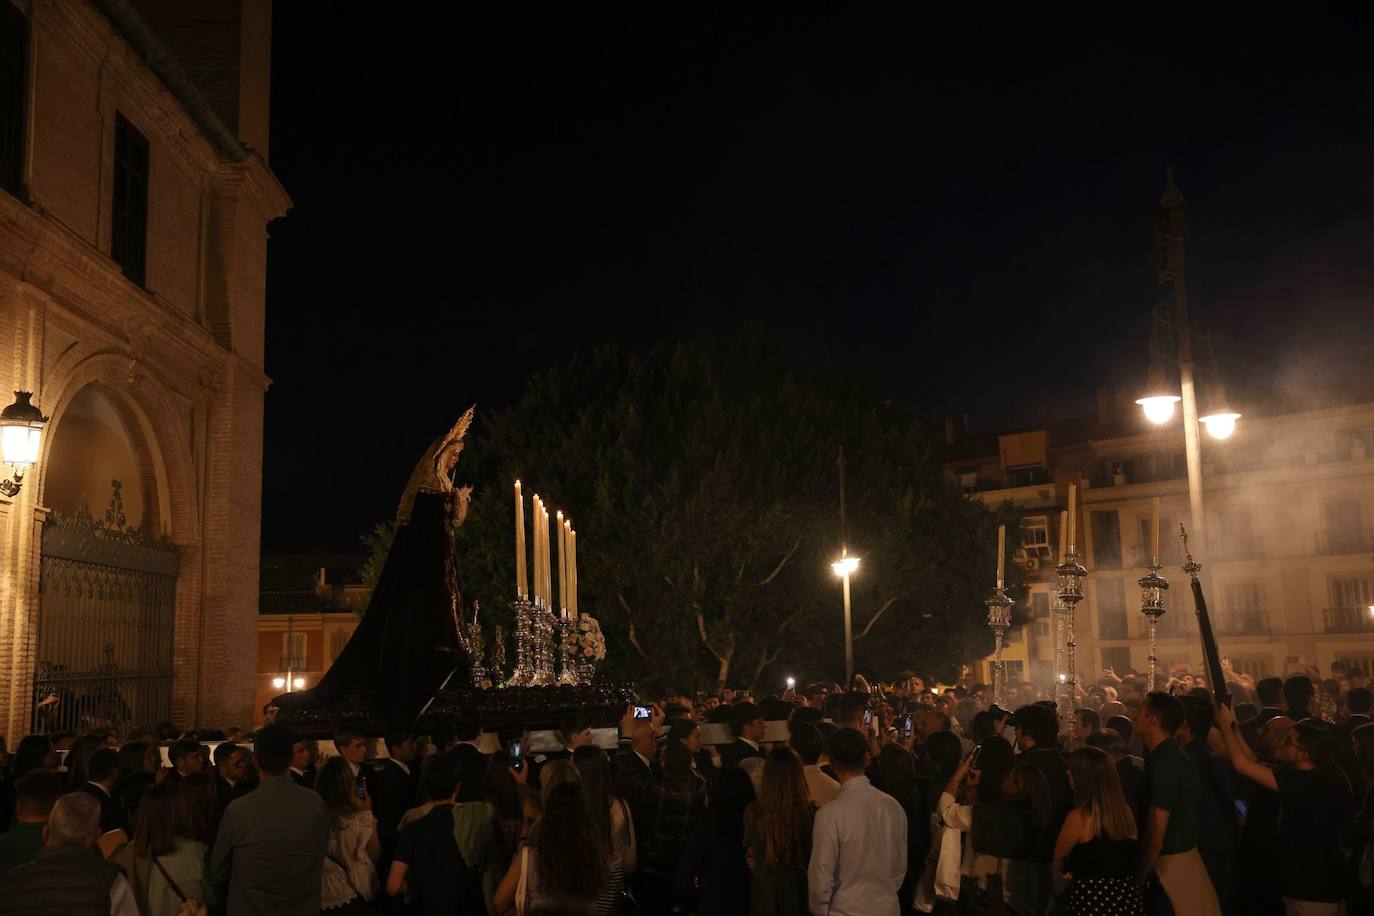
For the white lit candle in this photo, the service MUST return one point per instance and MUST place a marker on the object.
(548, 563)
(1154, 529)
(572, 557)
(1073, 514)
(1001, 554)
(1063, 534)
(562, 565)
(521, 583)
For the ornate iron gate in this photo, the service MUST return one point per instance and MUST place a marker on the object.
(106, 609)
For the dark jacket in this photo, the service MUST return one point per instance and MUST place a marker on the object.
(269, 852)
(732, 754)
(1219, 829)
(61, 881)
(112, 813)
(472, 772)
(665, 814)
(393, 792)
(713, 860)
(1055, 767)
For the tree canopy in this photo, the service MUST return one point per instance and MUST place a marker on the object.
(702, 481)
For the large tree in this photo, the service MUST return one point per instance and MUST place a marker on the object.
(703, 485)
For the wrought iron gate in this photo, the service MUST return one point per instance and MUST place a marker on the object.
(106, 609)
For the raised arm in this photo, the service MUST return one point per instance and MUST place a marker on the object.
(1239, 754)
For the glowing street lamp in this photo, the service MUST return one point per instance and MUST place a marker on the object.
(1159, 408)
(21, 438)
(1221, 424)
(279, 682)
(843, 567)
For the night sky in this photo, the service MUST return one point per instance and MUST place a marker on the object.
(960, 210)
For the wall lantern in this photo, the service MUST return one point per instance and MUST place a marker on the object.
(21, 439)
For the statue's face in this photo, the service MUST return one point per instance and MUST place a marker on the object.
(448, 462)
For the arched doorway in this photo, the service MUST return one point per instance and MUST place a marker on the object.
(107, 577)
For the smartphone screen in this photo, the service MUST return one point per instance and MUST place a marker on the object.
(906, 726)
(868, 717)
(517, 761)
(642, 712)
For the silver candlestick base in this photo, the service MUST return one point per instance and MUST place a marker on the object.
(526, 647)
(999, 619)
(1152, 589)
(1071, 574)
(567, 672)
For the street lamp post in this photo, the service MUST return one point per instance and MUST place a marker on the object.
(1158, 402)
(842, 567)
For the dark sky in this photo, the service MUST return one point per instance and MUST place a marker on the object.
(960, 210)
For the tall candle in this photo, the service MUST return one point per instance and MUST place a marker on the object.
(534, 547)
(521, 583)
(1073, 514)
(1154, 529)
(562, 565)
(1063, 534)
(572, 556)
(548, 563)
(539, 550)
(1001, 554)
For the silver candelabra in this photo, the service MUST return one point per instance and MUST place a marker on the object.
(999, 619)
(1152, 589)
(1071, 575)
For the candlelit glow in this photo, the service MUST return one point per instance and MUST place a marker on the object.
(1220, 424)
(280, 682)
(791, 683)
(1159, 408)
(845, 565)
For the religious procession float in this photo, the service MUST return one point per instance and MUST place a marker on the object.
(417, 660)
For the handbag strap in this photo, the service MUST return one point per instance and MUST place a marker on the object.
(168, 878)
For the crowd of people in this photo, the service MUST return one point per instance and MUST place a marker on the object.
(877, 799)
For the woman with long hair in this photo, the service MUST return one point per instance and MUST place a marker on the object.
(564, 867)
(200, 807)
(348, 883)
(777, 830)
(137, 770)
(1316, 806)
(164, 866)
(610, 820)
(77, 758)
(1004, 821)
(713, 867)
(1098, 850)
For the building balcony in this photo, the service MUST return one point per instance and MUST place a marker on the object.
(1335, 541)
(1348, 620)
(1238, 548)
(1241, 623)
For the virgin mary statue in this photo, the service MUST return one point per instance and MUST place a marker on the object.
(411, 639)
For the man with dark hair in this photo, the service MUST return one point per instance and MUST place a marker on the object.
(1269, 693)
(1170, 832)
(394, 783)
(1037, 737)
(428, 861)
(748, 725)
(1086, 722)
(805, 739)
(1217, 829)
(101, 770)
(35, 794)
(269, 853)
(469, 761)
(852, 707)
(1358, 702)
(351, 743)
(231, 773)
(1298, 692)
(302, 766)
(66, 875)
(187, 757)
(858, 855)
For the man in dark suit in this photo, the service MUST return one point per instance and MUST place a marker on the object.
(231, 773)
(470, 762)
(302, 767)
(748, 725)
(395, 781)
(635, 759)
(100, 772)
(270, 849)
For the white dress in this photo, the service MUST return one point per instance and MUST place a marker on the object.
(353, 874)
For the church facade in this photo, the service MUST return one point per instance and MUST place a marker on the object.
(135, 197)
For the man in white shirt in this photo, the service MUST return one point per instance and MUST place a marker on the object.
(858, 843)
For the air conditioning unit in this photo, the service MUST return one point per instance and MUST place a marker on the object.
(1032, 563)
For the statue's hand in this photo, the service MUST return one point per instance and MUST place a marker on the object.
(462, 496)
